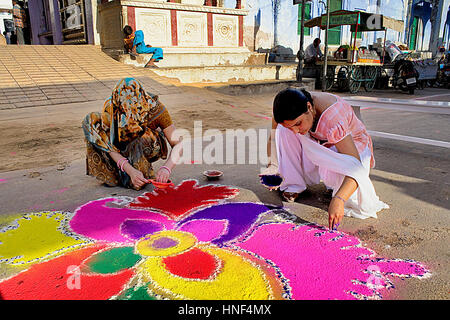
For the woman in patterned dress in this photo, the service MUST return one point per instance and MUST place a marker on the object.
(128, 136)
(341, 155)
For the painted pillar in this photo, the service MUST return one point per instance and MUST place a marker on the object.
(131, 17)
(241, 31)
(300, 53)
(435, 19)
(89, 21)
(56, 21)
(35, 20)
(410, 19)
(96, 34)
(210, 28)
(174, 27)
(406, 18)
(447, 30)
(276, 12)
(378, 11)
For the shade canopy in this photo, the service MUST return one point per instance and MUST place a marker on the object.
(366, 21)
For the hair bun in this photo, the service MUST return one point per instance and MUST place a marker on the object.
(290, 103)
(307, 95)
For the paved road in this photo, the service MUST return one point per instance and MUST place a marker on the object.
(412, 178)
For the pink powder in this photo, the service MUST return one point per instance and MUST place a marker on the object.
(205, 230)
(320, 265)
(97, 221)
(60, 190)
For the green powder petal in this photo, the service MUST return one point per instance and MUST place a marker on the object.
(113, 260)
(139, 293)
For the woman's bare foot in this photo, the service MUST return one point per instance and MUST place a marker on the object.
(290, 196)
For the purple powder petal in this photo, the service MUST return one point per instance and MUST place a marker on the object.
(240, 217)
(136, 229)
(164, 243)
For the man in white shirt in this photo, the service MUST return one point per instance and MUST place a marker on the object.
(313, 53)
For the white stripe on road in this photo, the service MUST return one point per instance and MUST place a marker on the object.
(404, 104)
(364, 105)
(433, 96)
(393, 136)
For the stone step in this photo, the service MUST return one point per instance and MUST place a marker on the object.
(261, 86)
(195, 57)
(233, 73)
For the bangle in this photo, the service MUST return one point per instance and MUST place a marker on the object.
(164, 167)
(121, 163)
(340, 198)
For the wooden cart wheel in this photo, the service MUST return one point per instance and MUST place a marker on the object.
(330, 77)
(342, 78)
(355, 78)
(371, 77)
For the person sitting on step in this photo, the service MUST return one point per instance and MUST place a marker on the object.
(134, 44)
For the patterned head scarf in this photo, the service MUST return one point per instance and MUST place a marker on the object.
(133, 108)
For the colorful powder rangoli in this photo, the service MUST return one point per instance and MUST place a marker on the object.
(188, 242)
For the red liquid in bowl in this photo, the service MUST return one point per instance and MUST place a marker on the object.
(213, 173)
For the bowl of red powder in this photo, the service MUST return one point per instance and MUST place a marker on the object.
(213, 174)
(161, 185)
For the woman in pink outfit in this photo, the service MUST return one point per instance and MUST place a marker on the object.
(319, 138)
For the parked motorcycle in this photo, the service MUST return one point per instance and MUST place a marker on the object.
(443, 74)
(405, 75)
(398, 71)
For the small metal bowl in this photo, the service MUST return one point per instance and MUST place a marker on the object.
(213, 174)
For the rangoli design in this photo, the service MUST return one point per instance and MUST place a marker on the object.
(189, 242)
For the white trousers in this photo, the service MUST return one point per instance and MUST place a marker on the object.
(303, 162)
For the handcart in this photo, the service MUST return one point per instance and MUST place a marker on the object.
(349, 68)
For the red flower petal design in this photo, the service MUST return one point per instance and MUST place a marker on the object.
(179, 201)
(193, 264)
(59, 279)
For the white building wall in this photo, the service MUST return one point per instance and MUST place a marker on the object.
(4, 4)
(261, 31)
(94, 21)
(443, 19)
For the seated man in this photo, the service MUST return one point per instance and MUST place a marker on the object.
(134, 44)
(313, 53)
(311, 68)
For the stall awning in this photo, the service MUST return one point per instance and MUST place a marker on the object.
(366, 22)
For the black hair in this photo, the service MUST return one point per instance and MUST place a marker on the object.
(290, 103)
(127, 30)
